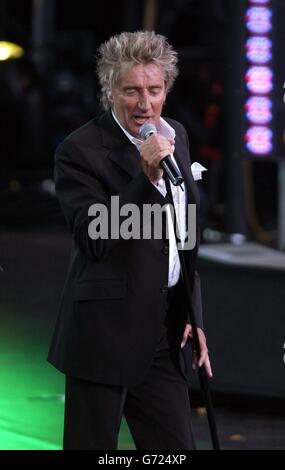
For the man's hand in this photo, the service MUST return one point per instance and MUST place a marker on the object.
(152, 150)
(204, 358)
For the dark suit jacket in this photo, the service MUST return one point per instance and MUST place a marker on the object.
(114, 298)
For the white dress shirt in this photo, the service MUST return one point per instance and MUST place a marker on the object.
(179, 199)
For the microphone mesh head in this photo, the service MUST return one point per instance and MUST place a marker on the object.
(147, 129)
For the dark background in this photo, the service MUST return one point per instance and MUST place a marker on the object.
(53, 89)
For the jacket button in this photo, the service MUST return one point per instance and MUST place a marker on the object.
(164, 289)
(165, 250)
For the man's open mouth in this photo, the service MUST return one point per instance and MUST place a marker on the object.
(142, 119)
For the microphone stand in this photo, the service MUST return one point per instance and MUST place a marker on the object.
(202, 373)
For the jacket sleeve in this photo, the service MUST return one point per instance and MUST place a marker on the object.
(78, 188)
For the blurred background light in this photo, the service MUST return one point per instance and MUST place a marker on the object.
(259, 79)
(258, 109)
(259, 139)
(258, 50)
(260, 2)
(258, 20)
(9, 50)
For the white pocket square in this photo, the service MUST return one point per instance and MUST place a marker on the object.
(197, 170)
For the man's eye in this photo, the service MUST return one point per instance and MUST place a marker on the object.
(131, 91)
(155, 91)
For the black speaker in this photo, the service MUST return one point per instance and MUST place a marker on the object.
(244, 317)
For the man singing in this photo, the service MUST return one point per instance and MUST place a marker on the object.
(123, 336)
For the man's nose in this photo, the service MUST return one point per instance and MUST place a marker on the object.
(144, 102)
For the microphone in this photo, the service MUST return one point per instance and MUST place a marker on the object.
(146, 130)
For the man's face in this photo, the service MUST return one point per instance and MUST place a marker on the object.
(138, 96)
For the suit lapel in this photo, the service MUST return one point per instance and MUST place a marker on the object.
(122, 152)
(127, 159)
(184, 163)
(185, 168)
